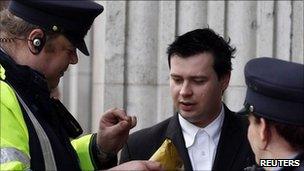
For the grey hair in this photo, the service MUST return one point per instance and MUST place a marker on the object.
(11, 25)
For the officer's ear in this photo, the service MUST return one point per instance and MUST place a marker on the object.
(265, 133)
(36, 41)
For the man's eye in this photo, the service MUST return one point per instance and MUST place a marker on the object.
(199, 81)
(177, 80)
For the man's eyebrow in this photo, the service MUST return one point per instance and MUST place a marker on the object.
(191, 77)
(199, 77)
(174, 75)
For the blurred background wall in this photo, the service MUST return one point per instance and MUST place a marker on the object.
(128, 63)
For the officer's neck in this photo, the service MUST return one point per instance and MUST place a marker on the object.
(19, 52)
(278, 148)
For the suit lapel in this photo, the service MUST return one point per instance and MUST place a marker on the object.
(229, 143)
(174, 132)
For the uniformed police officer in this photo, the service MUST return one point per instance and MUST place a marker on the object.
(275, 104)
(38, 41)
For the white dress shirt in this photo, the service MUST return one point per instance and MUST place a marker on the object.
(202, 142)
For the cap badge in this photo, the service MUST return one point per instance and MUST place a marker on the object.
(55, 28)
(251, 108)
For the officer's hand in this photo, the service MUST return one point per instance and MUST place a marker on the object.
(139, 165)
(114, 127)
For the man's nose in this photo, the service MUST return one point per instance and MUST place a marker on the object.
(186, 89)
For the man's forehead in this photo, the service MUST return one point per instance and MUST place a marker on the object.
(194, 67)
(197, 59)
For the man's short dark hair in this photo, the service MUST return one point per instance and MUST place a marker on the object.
(201, 41)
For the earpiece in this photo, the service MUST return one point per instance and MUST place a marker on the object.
(38, 43)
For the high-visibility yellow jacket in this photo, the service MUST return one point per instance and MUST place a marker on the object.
(16, 145)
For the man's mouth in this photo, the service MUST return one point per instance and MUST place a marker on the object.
(186, 105)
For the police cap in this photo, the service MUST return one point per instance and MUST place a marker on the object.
(275, 90)
(71, 18)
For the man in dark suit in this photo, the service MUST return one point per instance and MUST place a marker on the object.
(207, 135)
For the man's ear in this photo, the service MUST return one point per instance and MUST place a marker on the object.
(36, 40)
(224, 81)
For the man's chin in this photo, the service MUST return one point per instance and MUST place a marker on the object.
(192, 116)
(188, 115)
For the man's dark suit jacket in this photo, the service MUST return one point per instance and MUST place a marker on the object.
(233, 151)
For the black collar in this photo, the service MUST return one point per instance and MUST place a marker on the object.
(23, 78)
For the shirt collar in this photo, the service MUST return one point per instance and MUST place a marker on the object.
(213, 129)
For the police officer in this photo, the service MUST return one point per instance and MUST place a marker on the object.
(38, 41)
(275, 104)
